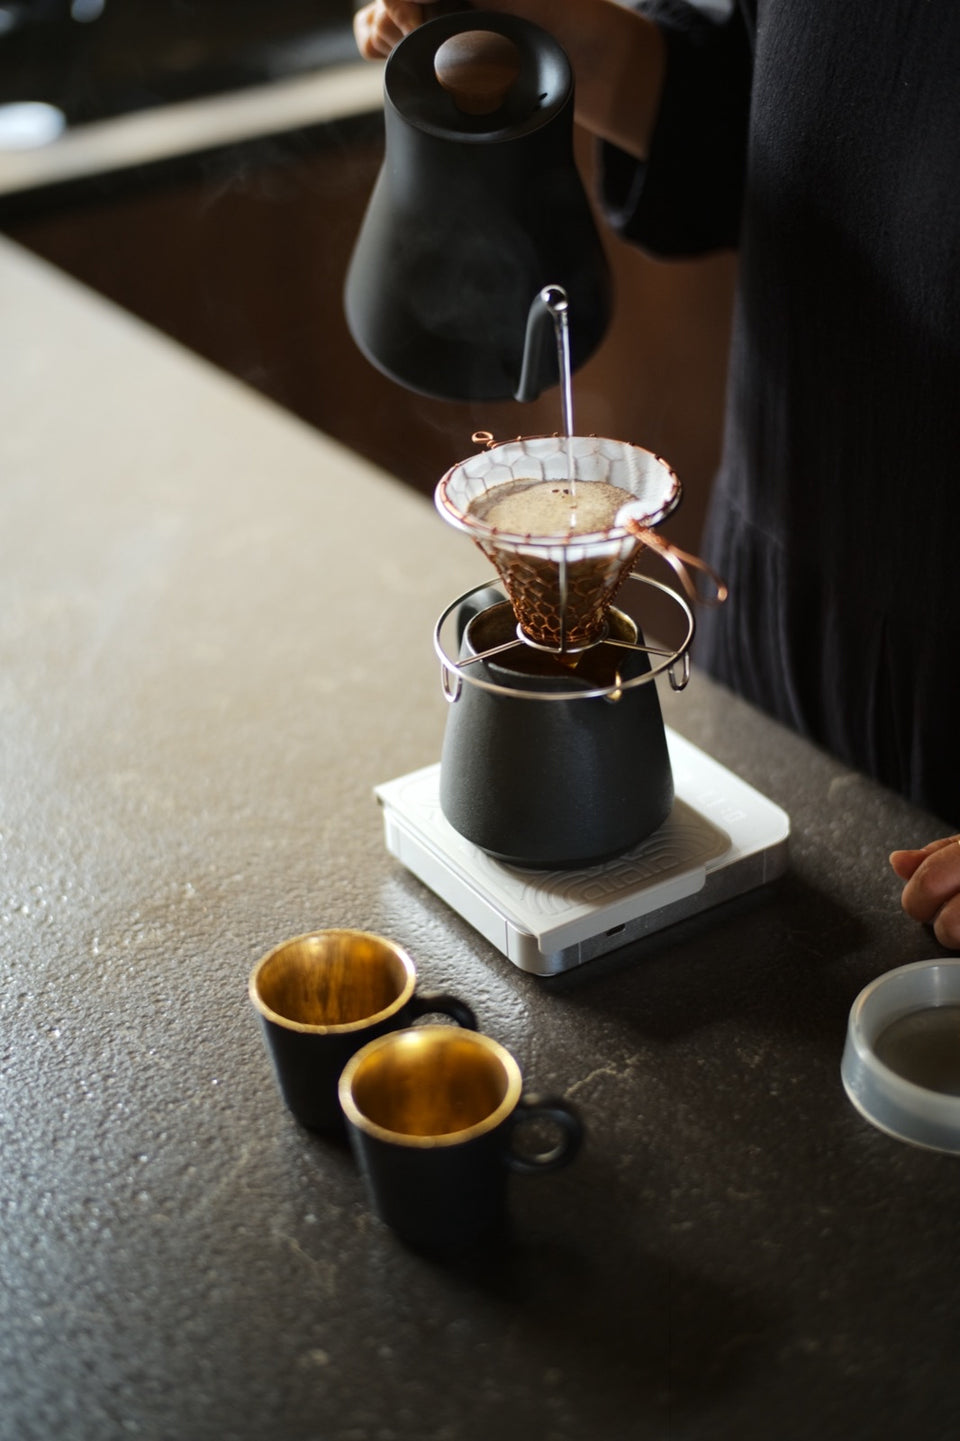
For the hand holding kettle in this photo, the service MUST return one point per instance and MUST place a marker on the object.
(616, 53)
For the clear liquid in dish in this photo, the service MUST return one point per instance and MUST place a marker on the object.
(924, 1047)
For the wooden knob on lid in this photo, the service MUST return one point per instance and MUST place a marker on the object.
(477, 68)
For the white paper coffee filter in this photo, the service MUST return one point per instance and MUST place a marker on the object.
(654, 486)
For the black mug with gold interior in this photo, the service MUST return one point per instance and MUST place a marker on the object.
(434, 1116)
(322, 996)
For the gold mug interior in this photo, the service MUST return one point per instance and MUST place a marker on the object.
(335, 980)
(430, 1086)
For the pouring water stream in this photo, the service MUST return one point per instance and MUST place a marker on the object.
(554, 299)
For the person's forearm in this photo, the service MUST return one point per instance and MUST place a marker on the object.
(618, 60)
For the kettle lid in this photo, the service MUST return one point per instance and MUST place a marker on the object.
(477, 77)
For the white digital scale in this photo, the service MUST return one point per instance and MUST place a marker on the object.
(722, 838)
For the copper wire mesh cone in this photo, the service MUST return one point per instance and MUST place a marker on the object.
(560, 612)
(561, 586)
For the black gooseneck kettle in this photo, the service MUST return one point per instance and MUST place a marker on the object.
(477, 207)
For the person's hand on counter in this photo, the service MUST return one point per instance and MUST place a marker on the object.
(932, 890)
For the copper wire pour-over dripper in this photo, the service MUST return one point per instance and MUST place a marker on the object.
(561, 586)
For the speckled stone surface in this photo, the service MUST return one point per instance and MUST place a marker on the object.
(214, 641)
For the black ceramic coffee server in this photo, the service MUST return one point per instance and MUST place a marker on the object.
(479, 275)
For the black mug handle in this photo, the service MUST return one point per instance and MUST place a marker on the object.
(562, 1115)
(429, 1003)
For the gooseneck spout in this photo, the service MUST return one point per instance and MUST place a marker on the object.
(548, 335)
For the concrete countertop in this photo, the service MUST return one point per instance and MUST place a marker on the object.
(214, 641)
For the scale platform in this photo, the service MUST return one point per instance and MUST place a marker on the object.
(722, 838)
